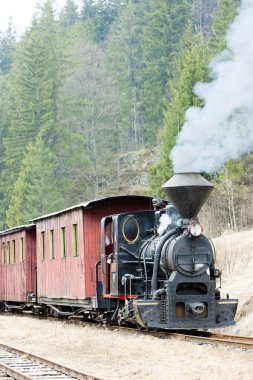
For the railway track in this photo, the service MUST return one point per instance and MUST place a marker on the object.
(217, 339)
(198, 337)
(21, 365)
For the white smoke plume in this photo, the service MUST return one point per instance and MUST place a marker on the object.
(223, 128)
(164, 221)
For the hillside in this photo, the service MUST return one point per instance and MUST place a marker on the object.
(90, 89)
(235, 258)
(132, 173)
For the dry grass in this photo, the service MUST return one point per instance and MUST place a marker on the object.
(235, 258)
(114, 355)
(234, 252)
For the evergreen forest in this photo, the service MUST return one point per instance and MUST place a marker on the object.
(89, 83)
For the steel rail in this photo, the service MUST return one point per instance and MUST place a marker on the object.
(196, 336)
(23, 365)
(200, 337)
(235, 341)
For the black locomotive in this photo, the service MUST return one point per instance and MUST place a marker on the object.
(158, 269)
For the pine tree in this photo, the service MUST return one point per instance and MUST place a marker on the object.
(7, 48)
(69, 14)
(98, 16)
(191, 66)
(36, 78)
(126, 64)
(141, 48)
(224, 15)
(36, 192)
(90, 111)
(165, 22)
(73, 164)
(202, 16)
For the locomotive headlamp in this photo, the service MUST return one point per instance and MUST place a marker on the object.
(195, 228)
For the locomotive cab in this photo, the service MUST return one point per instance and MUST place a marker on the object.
(160, 268)
(120, 259)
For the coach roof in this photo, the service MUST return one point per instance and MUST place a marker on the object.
(18, 229)
(90, 204)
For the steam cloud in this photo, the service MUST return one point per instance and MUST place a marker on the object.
(223, 128)
(165, 220)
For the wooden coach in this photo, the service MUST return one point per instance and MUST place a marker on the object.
(18, 266)
(68, 248)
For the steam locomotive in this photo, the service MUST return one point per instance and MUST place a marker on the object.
(110, 261)
(162, 265)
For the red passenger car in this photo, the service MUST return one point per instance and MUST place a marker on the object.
(68, 248)
(18, 267)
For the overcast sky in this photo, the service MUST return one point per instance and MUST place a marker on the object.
(21, 12)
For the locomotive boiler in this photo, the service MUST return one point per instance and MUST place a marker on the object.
(158, 269)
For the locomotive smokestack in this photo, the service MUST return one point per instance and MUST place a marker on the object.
(187, 192)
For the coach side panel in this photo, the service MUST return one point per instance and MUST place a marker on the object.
(60, 258)
(18, 274)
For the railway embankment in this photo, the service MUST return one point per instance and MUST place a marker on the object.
(234, 251)
(115, 355)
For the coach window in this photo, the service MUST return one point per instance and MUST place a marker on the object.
(42, 245)
(21, 250)
(8, 252)
(63, 242)
(75, 240)
(52, 254)
(13, 251)
(3, 253)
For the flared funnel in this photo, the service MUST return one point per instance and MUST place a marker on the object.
(187, 192)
